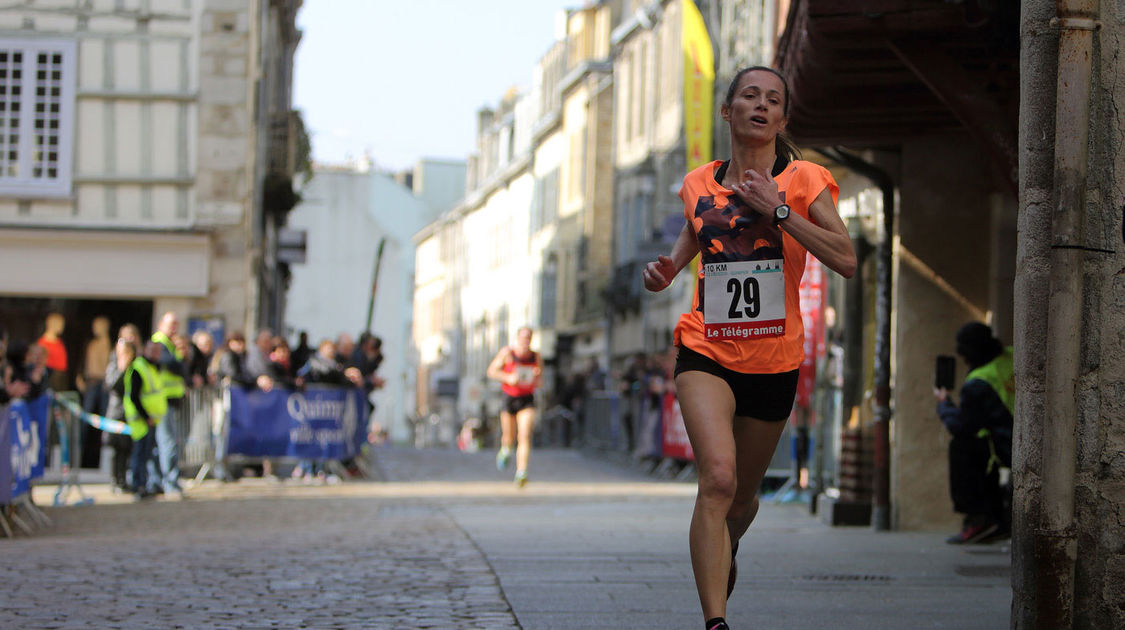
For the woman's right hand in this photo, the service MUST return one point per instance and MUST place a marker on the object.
(658, 274)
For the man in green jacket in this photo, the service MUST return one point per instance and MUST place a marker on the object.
(169, 363)
(145, 408)
(982, 434)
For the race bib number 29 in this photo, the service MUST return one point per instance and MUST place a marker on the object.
(744, 300)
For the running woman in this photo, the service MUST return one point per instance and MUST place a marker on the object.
(752, 218)
(518, 369)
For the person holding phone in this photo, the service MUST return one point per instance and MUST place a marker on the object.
(751, 219)
(982, 434)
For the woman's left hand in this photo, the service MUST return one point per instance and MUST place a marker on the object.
(759, 192)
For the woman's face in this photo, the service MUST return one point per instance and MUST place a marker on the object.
(758, 107)
(237, 347)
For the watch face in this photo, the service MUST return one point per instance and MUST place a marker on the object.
(781, 212)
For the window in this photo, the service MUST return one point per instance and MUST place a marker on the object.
(547, 297)
(36, 116)
(545, 201)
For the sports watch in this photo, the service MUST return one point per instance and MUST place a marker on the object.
(780, 213)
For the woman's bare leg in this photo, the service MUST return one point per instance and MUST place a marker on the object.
(707, 405)
(755, 441)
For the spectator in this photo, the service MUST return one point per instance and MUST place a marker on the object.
(369, 357)
(302, 353)
(11, 386)
(145, 403)
(258, 359)
(634, 390)
(183, 350)
(281, 364)
(169, 361)
(573, 397)
(259, 366)
(982, 434)
(346, 354)
(201, 351)
(596, 377)
(231, 369)
(323, 367)
(26, 373)
(124, 353)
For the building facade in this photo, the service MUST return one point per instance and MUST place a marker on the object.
(133, 172)
(358, 271)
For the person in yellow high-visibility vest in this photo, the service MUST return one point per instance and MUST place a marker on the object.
(982, 435)
(169, 362)
(145, 408)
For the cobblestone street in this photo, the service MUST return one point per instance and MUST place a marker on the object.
(446, 541)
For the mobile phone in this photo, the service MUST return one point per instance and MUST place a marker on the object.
(945, 371)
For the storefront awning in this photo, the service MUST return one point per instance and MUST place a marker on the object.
(870, 73)
(109, 264)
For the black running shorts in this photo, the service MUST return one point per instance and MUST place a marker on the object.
(766, 397)
(516, 404)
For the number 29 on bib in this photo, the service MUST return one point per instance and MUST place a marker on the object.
(744, 299)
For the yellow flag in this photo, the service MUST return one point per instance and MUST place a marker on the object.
(699, 79)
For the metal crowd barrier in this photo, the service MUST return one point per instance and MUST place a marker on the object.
(602, 428)
(200, 426)
(66, 413)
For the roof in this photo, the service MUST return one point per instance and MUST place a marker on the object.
(867, 73)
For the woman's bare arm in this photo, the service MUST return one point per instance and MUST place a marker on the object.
(659, 273)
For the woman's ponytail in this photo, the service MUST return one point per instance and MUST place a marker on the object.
(786, 152)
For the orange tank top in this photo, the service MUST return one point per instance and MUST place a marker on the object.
(746, 310)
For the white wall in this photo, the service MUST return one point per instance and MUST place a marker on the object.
(345, 215)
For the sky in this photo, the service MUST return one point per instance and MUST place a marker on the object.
(402, 80)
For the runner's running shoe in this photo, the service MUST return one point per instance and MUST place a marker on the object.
(503, 456)
(521, 478)
(973, 534)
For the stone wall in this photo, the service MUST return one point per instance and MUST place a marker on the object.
(1100, 483)
(225, 166)
(942, 272)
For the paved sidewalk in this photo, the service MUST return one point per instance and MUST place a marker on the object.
(448, 542)
(585, 565)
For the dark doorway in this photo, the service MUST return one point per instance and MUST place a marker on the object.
(22, 318)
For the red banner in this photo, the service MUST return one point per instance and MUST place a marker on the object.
(812, 309)
(675, 442)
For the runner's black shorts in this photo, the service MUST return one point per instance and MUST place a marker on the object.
(766, 397)
(516, 404)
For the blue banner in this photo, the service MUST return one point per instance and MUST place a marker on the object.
(317, 423)
(5, 459)
(39, 410)
(26, 448)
